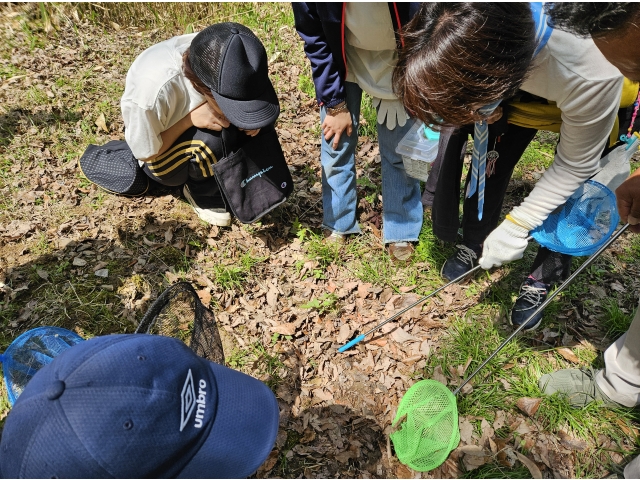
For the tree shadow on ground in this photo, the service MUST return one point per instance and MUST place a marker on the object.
(99, 285)
(322, 439)
(13, 121)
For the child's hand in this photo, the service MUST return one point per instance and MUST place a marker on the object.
(334, 125)
(206, 117)
(251, 133)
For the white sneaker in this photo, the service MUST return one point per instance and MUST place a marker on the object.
(213, 216)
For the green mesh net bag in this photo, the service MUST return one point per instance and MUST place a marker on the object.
(427, 423)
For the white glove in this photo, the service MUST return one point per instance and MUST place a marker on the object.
(393, 110)
(505, 244)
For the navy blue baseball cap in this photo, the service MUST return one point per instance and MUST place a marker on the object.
(130, 406)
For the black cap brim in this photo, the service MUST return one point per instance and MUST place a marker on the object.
(250, 114)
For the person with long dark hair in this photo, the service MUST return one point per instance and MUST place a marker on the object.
(465, 63)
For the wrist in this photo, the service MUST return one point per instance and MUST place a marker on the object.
(515, 229)
(339, 108)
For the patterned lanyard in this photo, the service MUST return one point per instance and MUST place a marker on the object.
(479, 158)
(481, 128)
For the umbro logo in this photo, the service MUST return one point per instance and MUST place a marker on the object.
(189, 400)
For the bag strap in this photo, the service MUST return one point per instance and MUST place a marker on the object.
(543, 30)
(230, 140)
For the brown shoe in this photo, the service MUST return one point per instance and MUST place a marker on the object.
(401, 251)
(334, 238)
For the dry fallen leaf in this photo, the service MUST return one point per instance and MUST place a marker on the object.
(101, 122)
(625, 428)
(528, 405)
(308, 436)
(322, 394)
(400, 335)
(270, 462)
(530, 464)
(272, 297)
(572, 443)
(17, 229)
(474, 456)
(205, 296)
(568, 354)
(344, 333)
(439, 376)
(466, 430)
(402, 471)
(284, 328)
(505, 455)
(505, 384)
(500, 420)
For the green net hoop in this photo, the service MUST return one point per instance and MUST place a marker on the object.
(427, 419)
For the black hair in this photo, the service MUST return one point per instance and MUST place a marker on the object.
(198, 85)
(458, 55)
(593, 19)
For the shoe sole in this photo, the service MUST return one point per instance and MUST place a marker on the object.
(212, 218)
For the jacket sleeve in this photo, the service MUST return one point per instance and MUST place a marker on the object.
(583, 136)
(325, 70)
(588, 95)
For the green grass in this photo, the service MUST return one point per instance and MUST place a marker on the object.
(615, 320)
(259, 362)
(306, 86)
(234, 272)
(326, 303)
(368, 118)
(494, 470)
(474, 336)
(538, 155)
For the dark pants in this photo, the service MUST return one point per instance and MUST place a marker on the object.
(189, 160)
(443, 190)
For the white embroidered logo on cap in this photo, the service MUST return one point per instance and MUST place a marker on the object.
(201, 401)
(188, 400)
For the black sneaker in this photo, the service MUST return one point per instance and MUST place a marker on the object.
(462, 261)
(532, 295)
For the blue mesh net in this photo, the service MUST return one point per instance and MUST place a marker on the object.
(582, 224)
(31, 351)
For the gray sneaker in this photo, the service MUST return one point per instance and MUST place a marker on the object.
(579, 386)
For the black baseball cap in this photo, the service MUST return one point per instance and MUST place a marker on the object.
(232, 62)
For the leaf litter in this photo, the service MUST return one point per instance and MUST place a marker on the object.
(336, 410)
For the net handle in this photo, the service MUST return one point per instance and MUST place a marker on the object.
(361, 337)
(551, 296)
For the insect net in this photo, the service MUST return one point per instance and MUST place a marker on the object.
(30, 352)
(179, 313)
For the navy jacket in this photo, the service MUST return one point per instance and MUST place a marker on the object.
(321, 26)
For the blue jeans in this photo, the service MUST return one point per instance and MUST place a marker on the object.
(401, 205)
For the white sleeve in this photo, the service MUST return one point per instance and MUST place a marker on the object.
(589, 109)
(142, 129)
